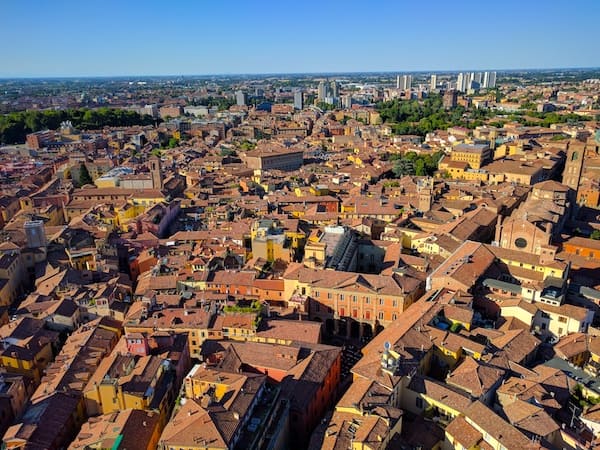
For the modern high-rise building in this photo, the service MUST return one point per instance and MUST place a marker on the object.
(347, 101)
(489, 80)
(241, 98)
(322, 91)
(433, 83)
(461, 82)
(298, 100)
(335, 89)
(404, 82)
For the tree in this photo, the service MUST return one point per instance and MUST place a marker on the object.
(420, 168)
(15, 126)
(404, 167)
(595, 235)
(84, 175)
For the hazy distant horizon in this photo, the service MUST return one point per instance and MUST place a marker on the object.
(300, 74)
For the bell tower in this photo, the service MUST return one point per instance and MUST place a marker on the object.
(155, 172)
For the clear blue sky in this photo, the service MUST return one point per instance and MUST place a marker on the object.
(131, 37)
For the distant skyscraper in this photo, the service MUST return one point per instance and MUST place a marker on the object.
(240, 98)
(489, 80)
(322, 91)
(462, 82)
(478, 77)
(433, 83)
(492, 80)
(347, 101)
(335, 89)
(404, 82)
(459, 81)
(298, 100)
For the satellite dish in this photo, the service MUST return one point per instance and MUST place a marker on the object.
(387, 345)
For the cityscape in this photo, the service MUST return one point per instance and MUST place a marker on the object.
(245, 235)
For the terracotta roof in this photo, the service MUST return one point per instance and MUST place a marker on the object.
(475, 378)
(440, 392)
(293, 330)
(464, 433)
(484, 418)
(530, 418)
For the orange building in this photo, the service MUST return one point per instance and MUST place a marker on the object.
(588, 248)
(308, 377)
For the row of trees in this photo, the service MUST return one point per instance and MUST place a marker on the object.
(16, 125)
(549, 118)
(223, 103)
(422, 117)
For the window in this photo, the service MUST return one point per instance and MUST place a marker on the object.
(380, 316)
(394, 316)
(520, 243)
(341, 297)
(381, 301)
(367, 300)
(316, 293)
(560, 331)
(562, 319)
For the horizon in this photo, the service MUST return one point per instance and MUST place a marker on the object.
(269, 74)
(189, 38)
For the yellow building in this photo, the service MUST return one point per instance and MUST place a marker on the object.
(124, 381)
(82, 259)
(271, 241)
(546, 266)
(239, 326)
(126, 213)
(319, 189)
(30, 348)
(201, 379)
(475, 155)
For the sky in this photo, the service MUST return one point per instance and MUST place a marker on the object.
(43, 38)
